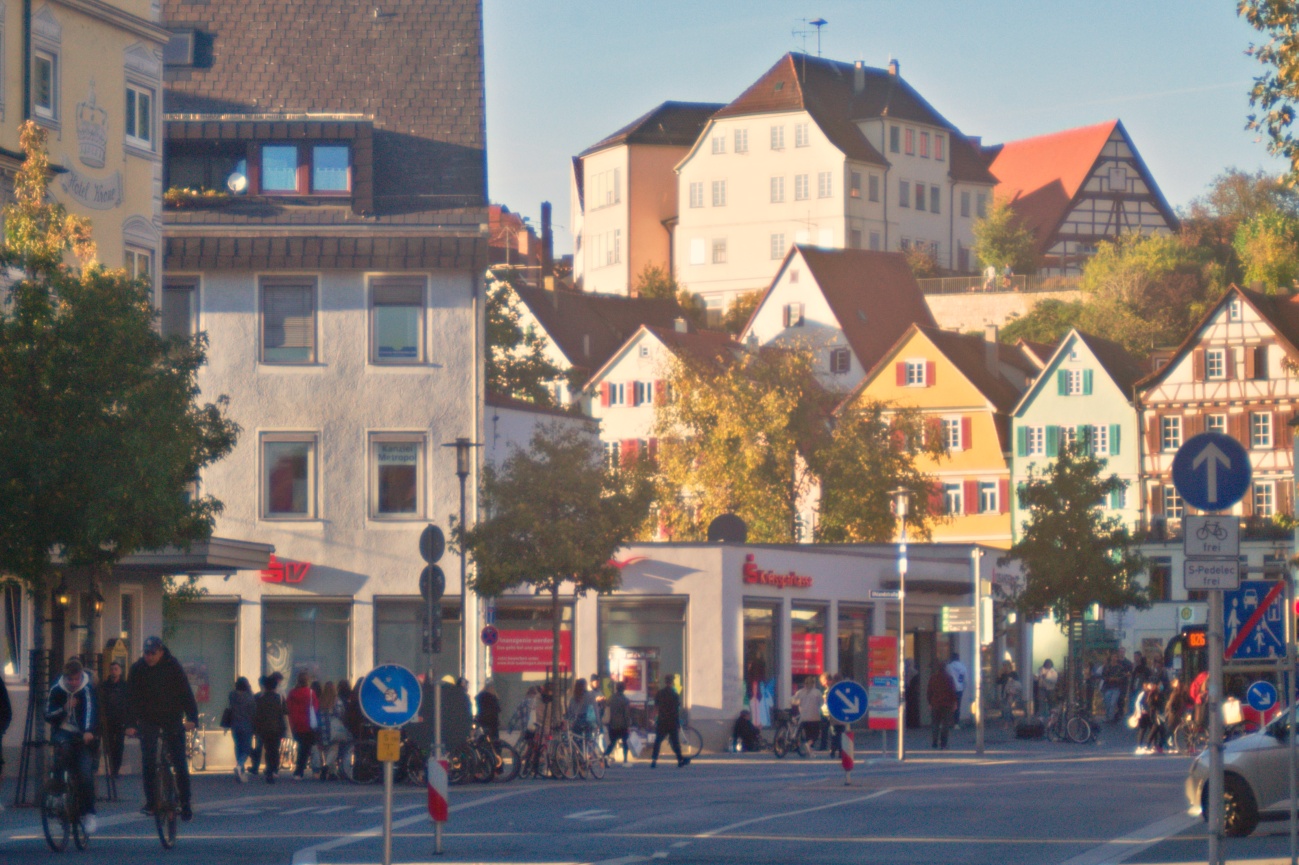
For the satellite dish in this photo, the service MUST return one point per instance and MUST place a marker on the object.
(727, 529)
(237, 183)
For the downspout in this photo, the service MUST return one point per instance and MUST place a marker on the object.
(27, 59)
(951, 226)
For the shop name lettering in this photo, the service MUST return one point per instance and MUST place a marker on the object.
(99, 194)
(278, 571)
(756, 575)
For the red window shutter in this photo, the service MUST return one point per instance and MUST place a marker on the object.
(1251, 362)
(660, 392)
(1003, 496)
(901, 369)
(1247, 503)
(931, 374)
(604, 394)
(1284, 496)
(629, 448)
(1152, 433)
(1229, 362)
(967, 432)
(936, 499)
(1156, 500)
(971, 497)
(1197, 365)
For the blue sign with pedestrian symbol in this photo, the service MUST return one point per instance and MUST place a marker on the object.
(390, 695)
(1261, 696)
(1212, 471)
(846, 702)
(1253, 621)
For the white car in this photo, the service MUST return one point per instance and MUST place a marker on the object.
(1256, 779)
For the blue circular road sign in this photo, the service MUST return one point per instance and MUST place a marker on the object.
(1212, 471)
(846, 702)
(490, 635)
(390, 695)
(1261, 696)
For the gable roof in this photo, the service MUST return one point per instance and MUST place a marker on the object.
(1038, 352)
(708, 347)
(825, 90)
(675, 124)
(1122, 368)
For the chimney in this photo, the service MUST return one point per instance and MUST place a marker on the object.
(858, 77)
(894, 68)
(990, 348)
(680, 325)
(547, 242)
(976, 140)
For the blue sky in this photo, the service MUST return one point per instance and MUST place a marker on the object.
(562, 74)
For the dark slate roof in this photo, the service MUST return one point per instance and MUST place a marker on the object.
(674, 124)
(705, 346)
(1038, 352)
(968, 353)
(1118, 362)
(415, 67)
(824, 88)
(576, 320)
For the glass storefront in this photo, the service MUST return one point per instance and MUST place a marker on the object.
(399, 636)
(640, 641)
(761, 667)
(11, 619)
(522, 655)
(806, 643)
(854, 631)
(307, 635)
(204, 643)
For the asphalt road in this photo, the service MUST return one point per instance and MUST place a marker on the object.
(1020, 802)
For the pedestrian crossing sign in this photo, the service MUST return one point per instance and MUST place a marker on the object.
(1253, 619)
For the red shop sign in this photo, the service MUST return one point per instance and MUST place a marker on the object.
(807, 653)
(530, 651)
(285, 571)
(754, 574)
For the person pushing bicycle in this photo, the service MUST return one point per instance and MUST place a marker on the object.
(73, 713)
(161, 705)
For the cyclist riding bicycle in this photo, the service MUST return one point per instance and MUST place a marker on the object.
(73, 713)
(160, 705)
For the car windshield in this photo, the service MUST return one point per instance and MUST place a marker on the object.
(1279, 727)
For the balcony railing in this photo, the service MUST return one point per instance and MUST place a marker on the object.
(1022, 283)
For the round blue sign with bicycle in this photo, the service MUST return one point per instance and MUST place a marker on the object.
(846, 702)
(1212, 471)
(1261, 696)
(390, 695)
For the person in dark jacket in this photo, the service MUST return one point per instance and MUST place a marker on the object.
(942, 704)
(6, 718)
(457, 714)
(489, 711)
(73, 715)
(668, 724)
(242, 705)
(619, 720)
(745, 734)
(160, 706)
(112, 702)
(270, 726)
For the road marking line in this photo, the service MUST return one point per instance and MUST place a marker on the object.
(1129, 845)
(713, 832)
(337, 808)
(681, 844)
(378, 809)
(298, 810)
(307, 855)
(593, 814)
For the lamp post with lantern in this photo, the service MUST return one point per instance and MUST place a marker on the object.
(464, 459)
(901, 506)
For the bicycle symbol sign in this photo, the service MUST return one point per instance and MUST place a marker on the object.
(1211, 536)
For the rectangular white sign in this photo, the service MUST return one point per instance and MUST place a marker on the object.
(885, 594)
(1212, 535)
(1212, 574)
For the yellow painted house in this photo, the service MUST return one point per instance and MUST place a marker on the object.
(967, 386)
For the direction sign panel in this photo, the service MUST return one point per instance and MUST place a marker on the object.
(1211, 536)
(956, 619)
(1211, 471)
(1204, 574)
(1254, 621)
(846, 702)
(885, 594)
(1261, 696)
(390, 695)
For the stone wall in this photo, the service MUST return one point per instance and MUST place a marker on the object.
(972, 310)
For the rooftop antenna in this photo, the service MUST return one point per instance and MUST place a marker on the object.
(818, 23)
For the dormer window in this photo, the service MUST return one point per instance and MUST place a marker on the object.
(278, 169)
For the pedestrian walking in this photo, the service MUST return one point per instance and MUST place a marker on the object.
(344, 731)
(489, 710)
(1137, 681)
(268, 724)
(112, 703)
(304, 714)
(1118, 669)
(619, 709)
(242, 705)
(1047, 682)
(457, 715)
(328, 738)
(960, 674)
(942, 705)
(667, 725)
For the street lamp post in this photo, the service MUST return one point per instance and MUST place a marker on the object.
(464, 454)
(901, 505)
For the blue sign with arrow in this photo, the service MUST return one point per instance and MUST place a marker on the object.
(1212, 471)
(846, 702)
(1261, 696)
(390, 695)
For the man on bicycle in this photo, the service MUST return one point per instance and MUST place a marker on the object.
(73, 713)
(160, 705)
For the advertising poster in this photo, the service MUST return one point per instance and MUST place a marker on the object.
(807, 654)
(530, 651)
(882, 691)
(636, 668)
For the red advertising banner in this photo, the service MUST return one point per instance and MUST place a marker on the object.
(807, 654)
(882, 688)
(530, 651)
(882, 656)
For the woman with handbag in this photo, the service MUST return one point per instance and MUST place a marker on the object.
(238, 719)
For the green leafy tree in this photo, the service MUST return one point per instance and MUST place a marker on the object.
(1268, 247)
(657, 283)
(1276, 89)
(1000, 238)
(872, 451)
(103, 435)
(1046, 322)
(920, 258)
(1073, 555)
(516, 363)
(1234, 197)
(555, 515)
(740, 311)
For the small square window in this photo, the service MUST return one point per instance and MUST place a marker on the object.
(1215, 363)
(289, 323)
(1217, 423)
(139, 116)
(1233, 309)
(330, 168)
(45, 84)
(397, 321)
(915, 373)
(719, 251)
(395, 469)
(279, 168)
(288, 476)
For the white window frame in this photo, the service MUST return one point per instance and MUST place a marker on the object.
(915, 375)
(132, 255)
(1174, 507)
(1216, 423)
(1100, 440)
(954, 499)
(613, 455)
(1260, 429)
(741, 141)
(777, 137)
(777, 246)
(696, 193)
(801, 137)
(840, 360)
(988, 498)
(1264, 498)
(146, 141)
(719, 250)
(1233, 309)
(410, 285)
(801, 187)
(777, 190)
(952, 434)
(312, 439)
(824, 184)
(1215, 363)
(50, 112)
(719, 193)
(617, 393)
(1035, 441)
(719, 143)
(379, 439)
(1073, 382)
(313, 286)
(1170, 433)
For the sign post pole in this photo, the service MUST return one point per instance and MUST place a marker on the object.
(432, 544)
(976, 555)
(390, 698)
(387, 812)
(1215, 728)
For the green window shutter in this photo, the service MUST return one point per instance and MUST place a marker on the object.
(1021, 441)
(1087, 382)
(1114, 439)
(1062, 382)
(1053, 441)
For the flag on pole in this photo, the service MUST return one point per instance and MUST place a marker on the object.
(437, 790)
(845, 750)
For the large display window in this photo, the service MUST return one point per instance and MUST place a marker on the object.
(399, 636)
(307, 635)
(761, 659)
(806, 643)
(641, 640)
(854, 631)
(522, 656)
(204, 642)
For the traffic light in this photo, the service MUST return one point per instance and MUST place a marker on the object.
(432, 583)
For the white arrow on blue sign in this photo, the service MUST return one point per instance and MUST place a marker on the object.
(846, 702)
(1261, 696)
(390, 695)
(1212, 471)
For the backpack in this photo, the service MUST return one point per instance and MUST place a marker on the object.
(268, 717)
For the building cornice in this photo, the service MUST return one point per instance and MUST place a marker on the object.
(102, 11)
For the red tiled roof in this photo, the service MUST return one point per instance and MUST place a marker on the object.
(1040, 176)
(670, 124)
(1038, 352)
(1118, 362)
(706, 346)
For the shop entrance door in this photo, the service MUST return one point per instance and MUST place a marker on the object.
(761, 659)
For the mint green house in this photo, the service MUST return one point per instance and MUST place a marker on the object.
(1083, 394)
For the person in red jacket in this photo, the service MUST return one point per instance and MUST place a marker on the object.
(942, 703)
(304, 710)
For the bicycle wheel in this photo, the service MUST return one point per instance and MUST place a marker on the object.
(1079, 729)
(1053, 730)
(415, 767)
(508, 762)
(164, 813)
(54, 816)
(362, 765)
(595, 761)
(565, 761)
(457, 770)
(484, 761)
(197, 751)
(691, 742)
(780, 747)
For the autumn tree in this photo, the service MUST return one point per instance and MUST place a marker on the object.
(921, 260)
(516, 362)
(737, 315)
(555, 517)
(1276, 89)
(1000, 238)
(1268, 247)
(657, 282)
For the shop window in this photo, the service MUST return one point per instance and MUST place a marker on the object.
(179, 309)
(288, 472)
(314, 636)
(522, 654)
(399, 636)
(854, 634)
(761, 660)
(806, 644)
(289, 323)
(204, 640)
(640, 641)
(396, 470)
(397, 321)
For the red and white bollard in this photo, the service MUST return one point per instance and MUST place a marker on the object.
(437, 798)
(846, 756)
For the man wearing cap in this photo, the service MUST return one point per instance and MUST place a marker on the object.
(160, 704)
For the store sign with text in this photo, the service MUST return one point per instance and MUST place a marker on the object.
(754, 575)
(530, 651)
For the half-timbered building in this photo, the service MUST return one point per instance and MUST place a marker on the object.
(1076, 188)
(1236, 373)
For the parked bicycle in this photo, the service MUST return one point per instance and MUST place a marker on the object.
(1068, 723)
(61, 809)
(787, 736)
